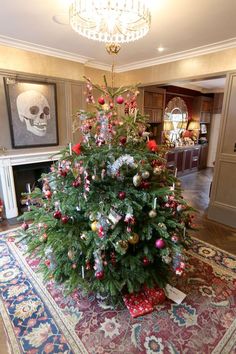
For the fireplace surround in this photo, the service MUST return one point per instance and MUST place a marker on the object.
(7, 162)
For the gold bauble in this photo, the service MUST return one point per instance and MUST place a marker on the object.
(94, 226)
(152, 213)
(178, 184)
(133, 239)
(71, 255)
(123, 244)
(137, 179)
(157, 170)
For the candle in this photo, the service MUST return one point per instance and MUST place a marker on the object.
(70, 149)
(82, 271)
(28, 188)
(184, 232)
(155, 204)
(176, 172)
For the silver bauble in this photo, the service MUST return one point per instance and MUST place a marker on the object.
(152, 213)
(145, 175)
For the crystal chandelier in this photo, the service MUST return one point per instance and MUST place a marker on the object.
(110, 21)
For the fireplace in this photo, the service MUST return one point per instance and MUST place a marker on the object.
(26, 176)
(13, 167)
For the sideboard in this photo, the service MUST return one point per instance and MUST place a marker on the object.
(187, 159)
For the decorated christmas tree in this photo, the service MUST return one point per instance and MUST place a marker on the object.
(109, 218)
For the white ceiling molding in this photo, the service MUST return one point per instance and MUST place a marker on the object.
(19, 44)
(89, 62)
(99, 65)
(206, 49)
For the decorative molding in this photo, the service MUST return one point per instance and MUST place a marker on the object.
(37, 48)
(89, 62)
(206, 49)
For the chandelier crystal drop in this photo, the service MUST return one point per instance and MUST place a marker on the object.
(110, 21)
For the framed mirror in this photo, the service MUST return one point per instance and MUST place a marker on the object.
(175, 120)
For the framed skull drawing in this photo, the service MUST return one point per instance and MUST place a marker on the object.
(32, 113)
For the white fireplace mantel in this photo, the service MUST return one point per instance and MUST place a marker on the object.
(7, 179)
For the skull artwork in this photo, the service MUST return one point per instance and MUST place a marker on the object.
(34, 110)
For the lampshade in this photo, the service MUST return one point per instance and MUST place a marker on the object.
(182, 125)
(168, 125)
(110, 21)
(193, 125)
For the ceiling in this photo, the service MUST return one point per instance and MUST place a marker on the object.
(184, 28)
(205, 86)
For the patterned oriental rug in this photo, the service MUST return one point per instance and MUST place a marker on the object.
(39, 319)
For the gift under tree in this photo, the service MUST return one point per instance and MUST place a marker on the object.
(109, 219)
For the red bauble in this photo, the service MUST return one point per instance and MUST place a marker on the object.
(99, 275)
(76, 183)
(101, 100)
(47, 262)
(146, 261)
(62, 173)
(45, 236)
(88, 265)
(48, 194)
(57, 214)
(25, 226)
(111, 105)
(145, 185)
(120, 99)
(65, 219)
(123, 140)
(160, 243)
(121, 195)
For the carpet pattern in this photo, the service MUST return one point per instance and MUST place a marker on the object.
(39, 318)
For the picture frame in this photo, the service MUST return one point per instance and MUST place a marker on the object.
(32, 113)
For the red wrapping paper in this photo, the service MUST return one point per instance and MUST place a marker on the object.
(145, 301)
(137, 304)
(155, 295)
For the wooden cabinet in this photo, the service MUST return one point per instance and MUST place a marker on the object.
(185, 159)
(154, 106)
(202, 112)
(203, 157)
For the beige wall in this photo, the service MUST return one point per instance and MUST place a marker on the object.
(23, 61)
(197, 67)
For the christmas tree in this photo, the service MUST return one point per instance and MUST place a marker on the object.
(109, 218)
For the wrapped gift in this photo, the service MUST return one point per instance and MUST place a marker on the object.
(155, 295)
(137, 304)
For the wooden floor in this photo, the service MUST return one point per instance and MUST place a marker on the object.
(196, 188)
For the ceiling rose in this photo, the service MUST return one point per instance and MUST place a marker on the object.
(110, 21)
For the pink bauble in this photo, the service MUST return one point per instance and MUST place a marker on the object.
(160, 243)
(25, 226)
(120, 99)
